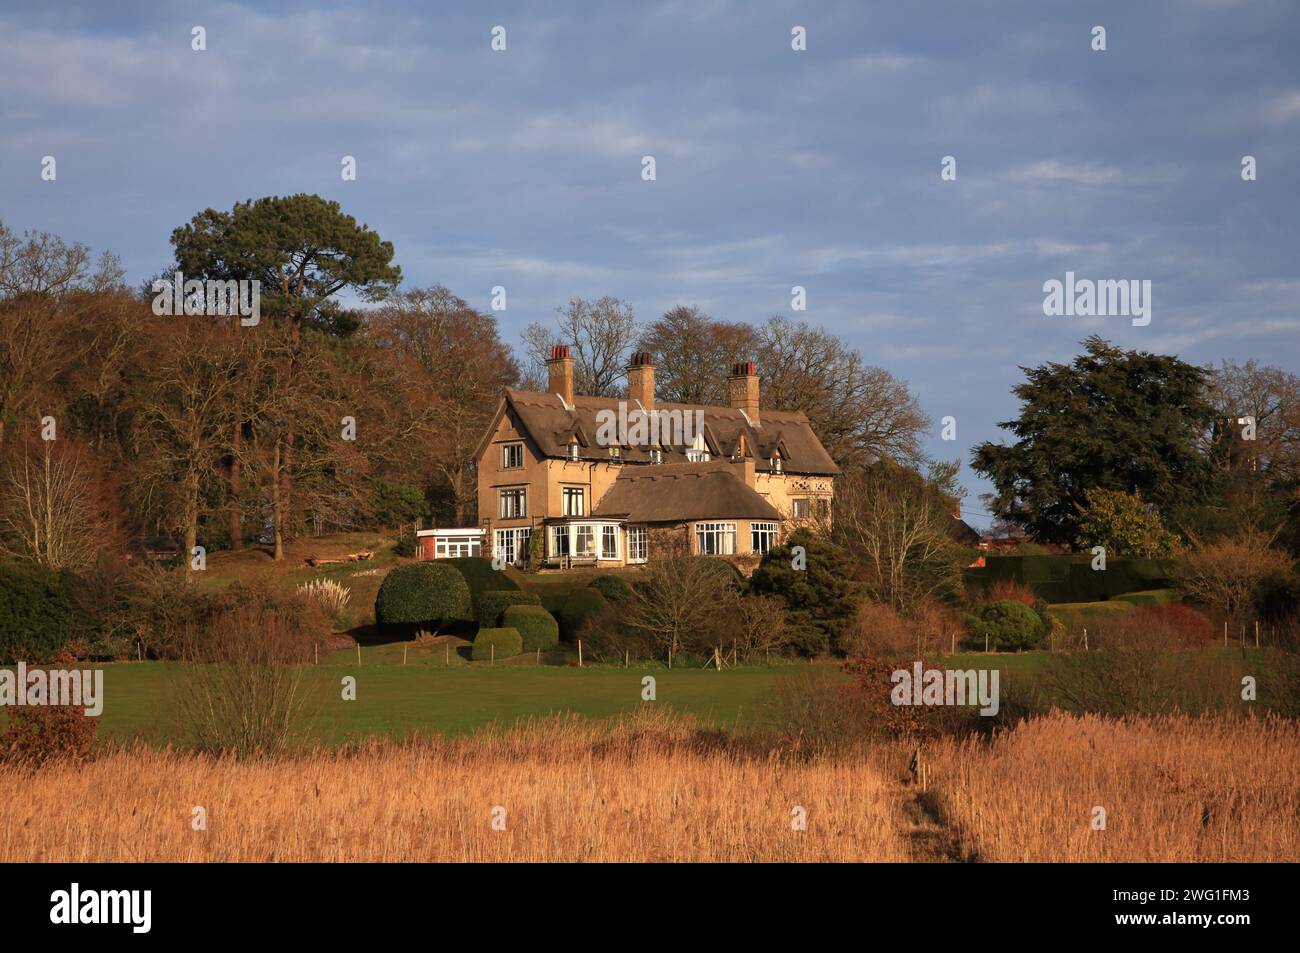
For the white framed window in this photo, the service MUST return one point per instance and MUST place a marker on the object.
(512, 456)
(514, 502)
(574, 501)
(776, 464)
(444, 548)
(656, 456)
(559, 540)
(573, 451)
(615, 451)
(801, 509)
(609, 542)
(715, 539)
(584, 541)
(762, 536)
(637, 544)
(698, 452)
(511, 545)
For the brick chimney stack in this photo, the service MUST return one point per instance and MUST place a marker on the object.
(641, 379)
(559, 369)
(742, 389)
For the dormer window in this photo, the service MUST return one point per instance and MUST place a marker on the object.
(615, 451)
(698, 451)
(573, 451)
(656, 456)
(776, 464)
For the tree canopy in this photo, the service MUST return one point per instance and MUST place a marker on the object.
(1111, 419)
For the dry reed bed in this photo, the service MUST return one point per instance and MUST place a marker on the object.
(647, 789)
(1174, 789)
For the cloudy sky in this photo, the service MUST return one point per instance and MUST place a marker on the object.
(775, 168)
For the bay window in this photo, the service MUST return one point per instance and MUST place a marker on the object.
(715, 539)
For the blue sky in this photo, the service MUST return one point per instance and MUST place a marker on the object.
(774, 168)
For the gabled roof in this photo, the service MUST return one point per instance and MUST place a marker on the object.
(552, 427)
(677, 492)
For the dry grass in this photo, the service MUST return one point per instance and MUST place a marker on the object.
(648, 788)
(1174, 789)
(655, 787)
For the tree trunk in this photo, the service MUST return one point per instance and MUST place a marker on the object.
(191, 520)
(277, 501)
(235, 485)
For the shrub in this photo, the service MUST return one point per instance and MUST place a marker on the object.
(613, 588)
(480, 577)
(406, 544)
(247, 697)
(493, 602)
(329, 594)
(41, 733)
(821, 598)
(1170, 625)
(1006, 624)
(496, 643)
(422, 594)
(536, 626)
(35, 619)
(578, 607)
(1013, 590)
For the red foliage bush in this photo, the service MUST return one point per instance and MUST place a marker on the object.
(40, 733)
(1010, 589)
(1171, 625)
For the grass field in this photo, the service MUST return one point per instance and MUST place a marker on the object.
(395, 700)
(426, 695)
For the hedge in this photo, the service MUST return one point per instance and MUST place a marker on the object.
(506, 642)
(493, 602)
(613, 588)
(426, 593)
(481, 577)
(580, 606)
(1072, 578)
(35, 618)
(536, 626)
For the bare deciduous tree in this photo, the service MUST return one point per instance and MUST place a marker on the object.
(600, 335)
(53, 509)
(896, 523)
(676, 603)
(1227, 574)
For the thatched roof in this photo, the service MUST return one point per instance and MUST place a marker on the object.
(552, 427)
(673, 493)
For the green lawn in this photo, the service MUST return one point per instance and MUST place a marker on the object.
(395, 700)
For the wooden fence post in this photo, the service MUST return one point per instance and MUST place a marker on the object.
(579, 653)
(358, 653)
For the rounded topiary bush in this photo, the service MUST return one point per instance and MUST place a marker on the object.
(536, 626)
(428, 593)
(613, 588)
(481, 577)
(1007, 624)
(35, 618)
(496, 643)
(581, 605)
(493, 602)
